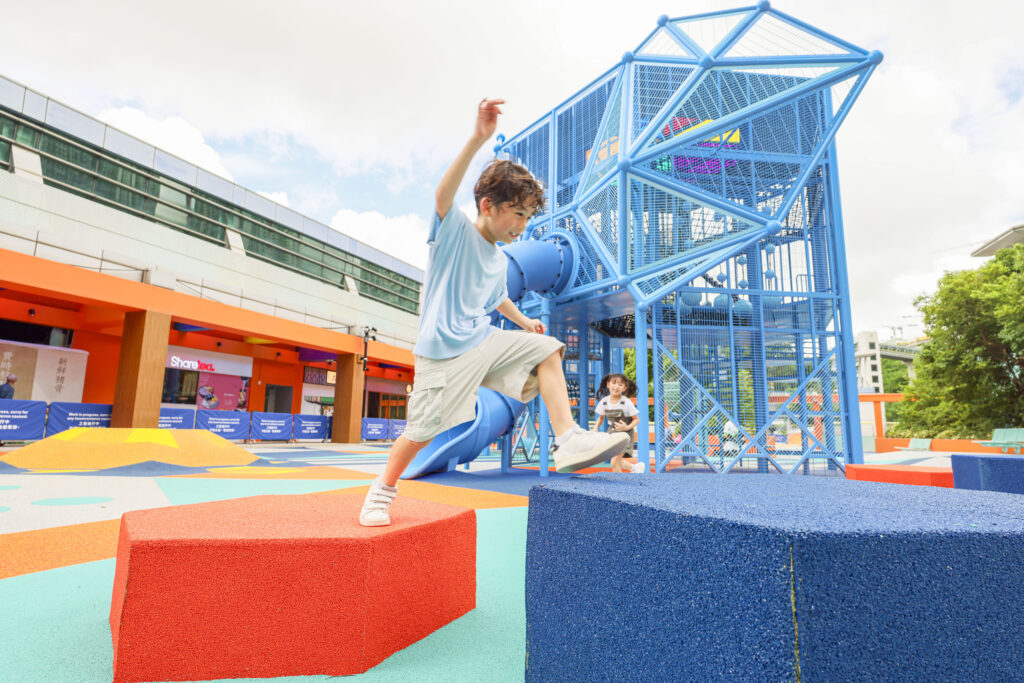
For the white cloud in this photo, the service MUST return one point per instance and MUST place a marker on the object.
(172, 134)
(929, 157)
(404, 237)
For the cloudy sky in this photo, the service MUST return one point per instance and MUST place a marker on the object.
(349, 112)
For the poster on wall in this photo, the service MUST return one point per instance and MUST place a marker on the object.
(45, 373)
(222, 392)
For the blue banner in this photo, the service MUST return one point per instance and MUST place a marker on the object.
(177, 418)
(271, 426)
(373, 428)
(22, 420)
(395, 428)
(64, 416)
(231, 424)
(311, 427)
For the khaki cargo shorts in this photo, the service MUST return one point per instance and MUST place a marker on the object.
(444, 392)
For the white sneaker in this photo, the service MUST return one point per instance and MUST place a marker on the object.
(639, 468)
(583, 449)
(376, 505)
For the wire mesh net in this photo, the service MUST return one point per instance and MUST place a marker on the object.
(602, 213)
(603, 157)
(577, 125)
(771, 35)
(747, 347)
(662, 43)
(653, 85)
(708, 32)
(532, 150)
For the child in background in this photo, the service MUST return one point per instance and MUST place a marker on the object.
(615, 404)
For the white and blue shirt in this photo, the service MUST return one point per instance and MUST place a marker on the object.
(464, 282)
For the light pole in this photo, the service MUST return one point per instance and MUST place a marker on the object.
(369, 333)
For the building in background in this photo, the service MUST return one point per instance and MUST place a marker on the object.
(868, 357)
(184, 288)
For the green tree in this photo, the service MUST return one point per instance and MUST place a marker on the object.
(894, 380)
(970, 373)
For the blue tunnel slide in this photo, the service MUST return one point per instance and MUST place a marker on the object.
(533, 266)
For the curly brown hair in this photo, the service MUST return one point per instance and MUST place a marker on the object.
(506, 182)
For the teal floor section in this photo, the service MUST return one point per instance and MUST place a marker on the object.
(184, 491)
(54, 625)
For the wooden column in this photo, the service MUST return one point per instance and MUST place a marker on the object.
(348, 400)
(140, 370)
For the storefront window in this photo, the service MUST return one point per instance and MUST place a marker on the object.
(388, 406)
(180, 386)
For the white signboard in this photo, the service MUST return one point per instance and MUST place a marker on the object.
(199, 360)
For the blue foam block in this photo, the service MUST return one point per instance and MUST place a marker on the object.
(983, 472)
(762, 577)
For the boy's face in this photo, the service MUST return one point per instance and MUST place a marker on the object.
(502, 223)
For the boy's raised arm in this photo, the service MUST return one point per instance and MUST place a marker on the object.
(486, 122)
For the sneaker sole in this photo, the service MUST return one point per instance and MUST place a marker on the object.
(362, 523)
(574, 466)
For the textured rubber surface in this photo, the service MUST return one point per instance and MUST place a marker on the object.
(989, 472)
(760, 577)
(284, 585)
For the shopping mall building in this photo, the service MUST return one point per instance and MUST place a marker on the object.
(130, 277)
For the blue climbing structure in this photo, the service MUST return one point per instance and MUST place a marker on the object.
(693, 189)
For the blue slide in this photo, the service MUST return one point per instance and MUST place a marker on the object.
(541, 266)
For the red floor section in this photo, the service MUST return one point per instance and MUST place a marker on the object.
(902, 474)
(284, 586)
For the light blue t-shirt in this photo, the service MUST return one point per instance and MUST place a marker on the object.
(464, 282)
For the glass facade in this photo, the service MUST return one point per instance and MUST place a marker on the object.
(81, 168)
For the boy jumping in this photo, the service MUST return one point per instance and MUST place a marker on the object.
(458, 350)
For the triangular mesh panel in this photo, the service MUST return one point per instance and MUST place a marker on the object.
(708, 32)
(653, 85)
(603, 157)
(721, 92)
(773, 36)
(577, 127)
(732, 163)
(662, 43)
(592, 267)
(602, 212)
(664, 223)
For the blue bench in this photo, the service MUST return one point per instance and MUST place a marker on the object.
(765, 577)
(982, 472)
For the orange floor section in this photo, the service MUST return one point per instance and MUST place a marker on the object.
(99, 449)
(246, 472)
(452, 495)
(902, 474)
(24, 552)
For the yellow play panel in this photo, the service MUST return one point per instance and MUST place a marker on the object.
(98, 448)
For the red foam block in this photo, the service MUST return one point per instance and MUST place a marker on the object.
(902, 474)
(284, 586)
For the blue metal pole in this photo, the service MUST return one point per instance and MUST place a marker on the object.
(583, 366)
(848, 368)
(643, 430)
(543, 437)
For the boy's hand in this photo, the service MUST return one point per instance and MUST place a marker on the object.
(534, 325)
(487, 117)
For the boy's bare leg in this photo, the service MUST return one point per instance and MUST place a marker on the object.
(554, 392)
(383, 490)
(402, 453)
